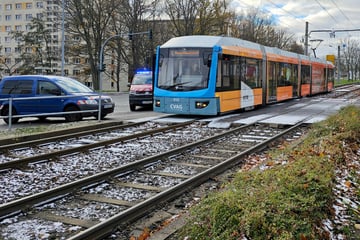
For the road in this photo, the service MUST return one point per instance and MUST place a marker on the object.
(122, 113)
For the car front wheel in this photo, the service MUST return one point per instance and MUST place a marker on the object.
(132, 107)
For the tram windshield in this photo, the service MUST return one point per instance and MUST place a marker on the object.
(183, 70)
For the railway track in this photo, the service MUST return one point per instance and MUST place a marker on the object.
(62, 166)
(24, 153)
(96, 205)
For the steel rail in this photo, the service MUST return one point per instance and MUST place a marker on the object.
(44, 157)
(31, 140)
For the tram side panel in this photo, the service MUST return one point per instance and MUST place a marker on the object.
(317, 78)
(239, 78)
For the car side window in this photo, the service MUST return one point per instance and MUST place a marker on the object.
(17, 87)
(48, 88)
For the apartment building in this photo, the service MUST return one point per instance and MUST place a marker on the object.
(16, 15)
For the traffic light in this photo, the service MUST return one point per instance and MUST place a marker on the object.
(150, 34)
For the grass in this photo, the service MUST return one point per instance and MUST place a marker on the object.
(345, 82)
(285, 201)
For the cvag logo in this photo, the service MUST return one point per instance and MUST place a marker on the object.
(177, 107)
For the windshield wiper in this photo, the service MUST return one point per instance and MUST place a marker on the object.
(176, 85)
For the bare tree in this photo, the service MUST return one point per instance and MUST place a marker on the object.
(6, 65)
(258, 27)
(36, 55)
(189, 17)
(137, 17)
(351, 58)
(89, 19)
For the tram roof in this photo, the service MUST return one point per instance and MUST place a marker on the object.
(205, 41)
(208, 42)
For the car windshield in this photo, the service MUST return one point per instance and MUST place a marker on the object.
(142, 79)
(72, 86)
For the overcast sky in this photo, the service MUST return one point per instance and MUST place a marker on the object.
(320, 14)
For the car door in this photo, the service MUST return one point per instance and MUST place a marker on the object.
(50, 100)
(20, 90)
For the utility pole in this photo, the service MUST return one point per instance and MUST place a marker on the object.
(338, 64)
(306, 38)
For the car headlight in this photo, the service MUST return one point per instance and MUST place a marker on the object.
(87, 101)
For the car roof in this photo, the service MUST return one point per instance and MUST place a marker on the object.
(31, 77)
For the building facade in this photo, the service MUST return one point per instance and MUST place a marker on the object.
(17, 16)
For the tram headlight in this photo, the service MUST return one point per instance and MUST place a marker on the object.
(157, 103)
(200, 105)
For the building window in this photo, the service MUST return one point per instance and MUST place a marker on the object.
(76, 72)
(8, 6)
(7, 39)
(39, 4)
(28, 17)
(18, 16)
(18, 27)
(28, 50)
(18, 5)
(8, 60)
(28, 5)
(7, 50)
(76, 60)
(28, 27)
(17, 49)
(8, 28)
(7, 17)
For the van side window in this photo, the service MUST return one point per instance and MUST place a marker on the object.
(17, 87)
(48, 88)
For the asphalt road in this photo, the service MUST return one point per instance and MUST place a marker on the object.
(122, 113)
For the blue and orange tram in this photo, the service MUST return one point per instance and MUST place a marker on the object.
(212, 75)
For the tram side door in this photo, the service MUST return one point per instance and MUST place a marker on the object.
(272, 81)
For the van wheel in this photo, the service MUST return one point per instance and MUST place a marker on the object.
(72, 117)
(5, 112)
(132, 107)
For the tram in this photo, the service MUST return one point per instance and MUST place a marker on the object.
(213, 75)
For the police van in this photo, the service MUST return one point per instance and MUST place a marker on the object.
(141, 89)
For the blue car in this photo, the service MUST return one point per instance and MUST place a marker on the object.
(44, 96)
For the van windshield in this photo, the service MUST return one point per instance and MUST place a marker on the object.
(142, 80)
(72, 86)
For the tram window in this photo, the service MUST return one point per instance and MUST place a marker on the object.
(228, 73)
(305, 74)
(285, 74)
(250, 72)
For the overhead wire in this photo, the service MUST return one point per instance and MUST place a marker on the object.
(326, 11)
(341, 11)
